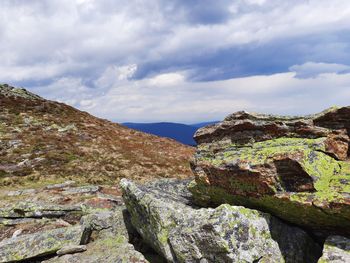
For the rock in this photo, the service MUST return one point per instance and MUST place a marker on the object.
(293, 167)
(109, 250)
(88, 189)
(72, 249)
(163, 215)
(336, 250)
(59, 186)
(111, 240)
(39, 244)
(37, 210)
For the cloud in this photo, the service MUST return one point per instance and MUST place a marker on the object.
(174, 98)
(178, 60)
(312, 69)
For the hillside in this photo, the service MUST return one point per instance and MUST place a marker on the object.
(180, 132)
(42, 141)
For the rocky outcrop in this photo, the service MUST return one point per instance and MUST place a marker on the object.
(67, 223)
(163, 214)
(293, 167)
(336, 250)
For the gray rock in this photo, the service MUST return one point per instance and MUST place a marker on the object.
(72, 249)
(88, 189)
(62, 185)
(39, 244)
(336, 250)
(163, 215)
(109, 250)
(37, 210)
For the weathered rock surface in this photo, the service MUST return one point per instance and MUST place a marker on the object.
(41, 229)
(36, 210)
(111, 240)
(336, 250)
(294, 167)
(163, 215)
(39, 244)
(72, 249)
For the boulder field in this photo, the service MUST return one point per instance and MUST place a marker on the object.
(266, 189)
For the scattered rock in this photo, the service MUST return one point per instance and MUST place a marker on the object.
(37, 210)
(336, 250)
(39, 244)
(81, 190)
(59, 186)
(72, 249)
(293, 167)
(162, 214)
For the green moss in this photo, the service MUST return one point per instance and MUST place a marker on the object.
(259, 152)
(296, 209)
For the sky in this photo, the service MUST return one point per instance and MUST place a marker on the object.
(182, 60)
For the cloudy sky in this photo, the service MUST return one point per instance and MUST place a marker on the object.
(179, 60)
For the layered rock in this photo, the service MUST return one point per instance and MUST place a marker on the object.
(60, 218)
(336, 250)
(39, 244)
(293, 167)
(164, 216)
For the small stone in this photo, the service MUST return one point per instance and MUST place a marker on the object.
(71, 249)
(58, 186)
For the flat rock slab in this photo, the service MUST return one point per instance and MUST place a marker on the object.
(163, 215)
(39, 244)
(336, 250)
(37, 210)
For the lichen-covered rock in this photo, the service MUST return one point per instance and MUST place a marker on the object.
(163, 215)
(293, 167)
(110, 242)
(39, 244)
(336, 250)
(108, 250)
(37, 210)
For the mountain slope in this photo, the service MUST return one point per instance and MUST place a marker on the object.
(41, 139)
(180, 132)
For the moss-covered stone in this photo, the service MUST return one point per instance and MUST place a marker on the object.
(39, 244)
(163, 215)
(286, 166)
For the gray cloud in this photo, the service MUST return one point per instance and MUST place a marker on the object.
(146, 55)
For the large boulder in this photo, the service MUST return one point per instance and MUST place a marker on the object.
(336, 250)
(164, 216)
(293, 167)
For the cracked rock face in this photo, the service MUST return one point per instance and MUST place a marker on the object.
(163, 215)
(296, 168)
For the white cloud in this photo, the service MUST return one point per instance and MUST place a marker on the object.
(134, 60)
(142, 101)
(312, 69)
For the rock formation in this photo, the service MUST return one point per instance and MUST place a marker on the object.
(163, 215)
(296, 168)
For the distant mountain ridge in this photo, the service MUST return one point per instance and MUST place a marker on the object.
(178, 131)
